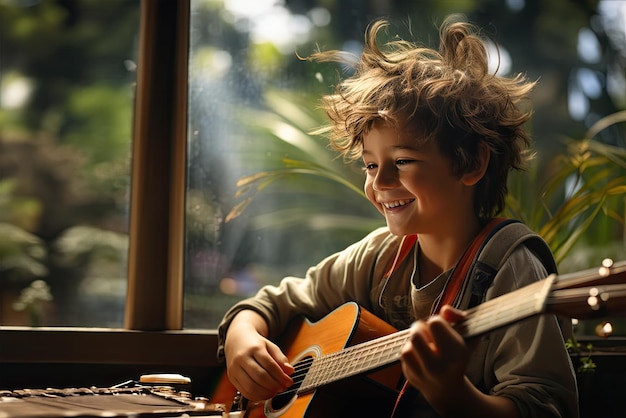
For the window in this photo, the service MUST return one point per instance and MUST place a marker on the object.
(238, 102)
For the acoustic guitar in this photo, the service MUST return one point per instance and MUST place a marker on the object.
(351, 357)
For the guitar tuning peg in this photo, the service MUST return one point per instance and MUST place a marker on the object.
(597, 298)
(607, 263)
(605, 270)
(604, 329)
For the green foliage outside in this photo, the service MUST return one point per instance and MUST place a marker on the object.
(65, 135)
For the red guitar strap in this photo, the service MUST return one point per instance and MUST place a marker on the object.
(459, 274)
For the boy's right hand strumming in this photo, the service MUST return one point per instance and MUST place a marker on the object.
(255, 366)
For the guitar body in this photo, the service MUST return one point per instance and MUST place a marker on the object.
(371, 394)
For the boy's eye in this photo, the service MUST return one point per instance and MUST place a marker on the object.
(368, 167)
(403, 162)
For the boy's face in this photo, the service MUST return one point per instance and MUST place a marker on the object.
(412, 184)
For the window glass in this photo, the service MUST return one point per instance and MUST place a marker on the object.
(253, 102)
(67, 73)
(250, 111)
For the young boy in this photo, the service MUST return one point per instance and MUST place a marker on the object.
(437, 135)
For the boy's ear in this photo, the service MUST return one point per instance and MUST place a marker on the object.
(474, 176)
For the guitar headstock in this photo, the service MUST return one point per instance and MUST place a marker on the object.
(591, 293)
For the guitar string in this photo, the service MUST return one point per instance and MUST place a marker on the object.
(374, 344)
(527, 307)
(498, 311)
(302, 367)
(320, 372)
(530, 306)
(563, 296)
(298, 376)
(488, 309)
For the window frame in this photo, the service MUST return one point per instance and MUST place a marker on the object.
(152, 332)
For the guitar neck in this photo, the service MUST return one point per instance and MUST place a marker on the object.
(493, 314)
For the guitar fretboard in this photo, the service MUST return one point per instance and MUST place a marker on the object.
(495, 313)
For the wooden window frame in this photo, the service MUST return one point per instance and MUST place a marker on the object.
(152, 333)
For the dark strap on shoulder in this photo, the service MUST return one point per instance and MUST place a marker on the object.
(465, 265)
(507, 236)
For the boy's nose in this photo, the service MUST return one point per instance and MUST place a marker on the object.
(386, 178)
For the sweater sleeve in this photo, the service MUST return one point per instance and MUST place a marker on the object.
(342, 277)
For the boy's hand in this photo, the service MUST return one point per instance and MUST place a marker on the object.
(434, 361)
(256, 366)
(435, 357)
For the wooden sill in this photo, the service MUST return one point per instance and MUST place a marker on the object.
(107, 346)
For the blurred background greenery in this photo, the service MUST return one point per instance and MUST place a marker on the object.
(266, 199)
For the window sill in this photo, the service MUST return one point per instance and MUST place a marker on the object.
(107, 346)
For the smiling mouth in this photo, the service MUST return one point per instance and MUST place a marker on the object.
(397, 203)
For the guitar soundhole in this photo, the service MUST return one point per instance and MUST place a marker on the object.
(284, 399)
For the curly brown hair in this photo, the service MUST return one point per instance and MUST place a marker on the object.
(447, 96)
